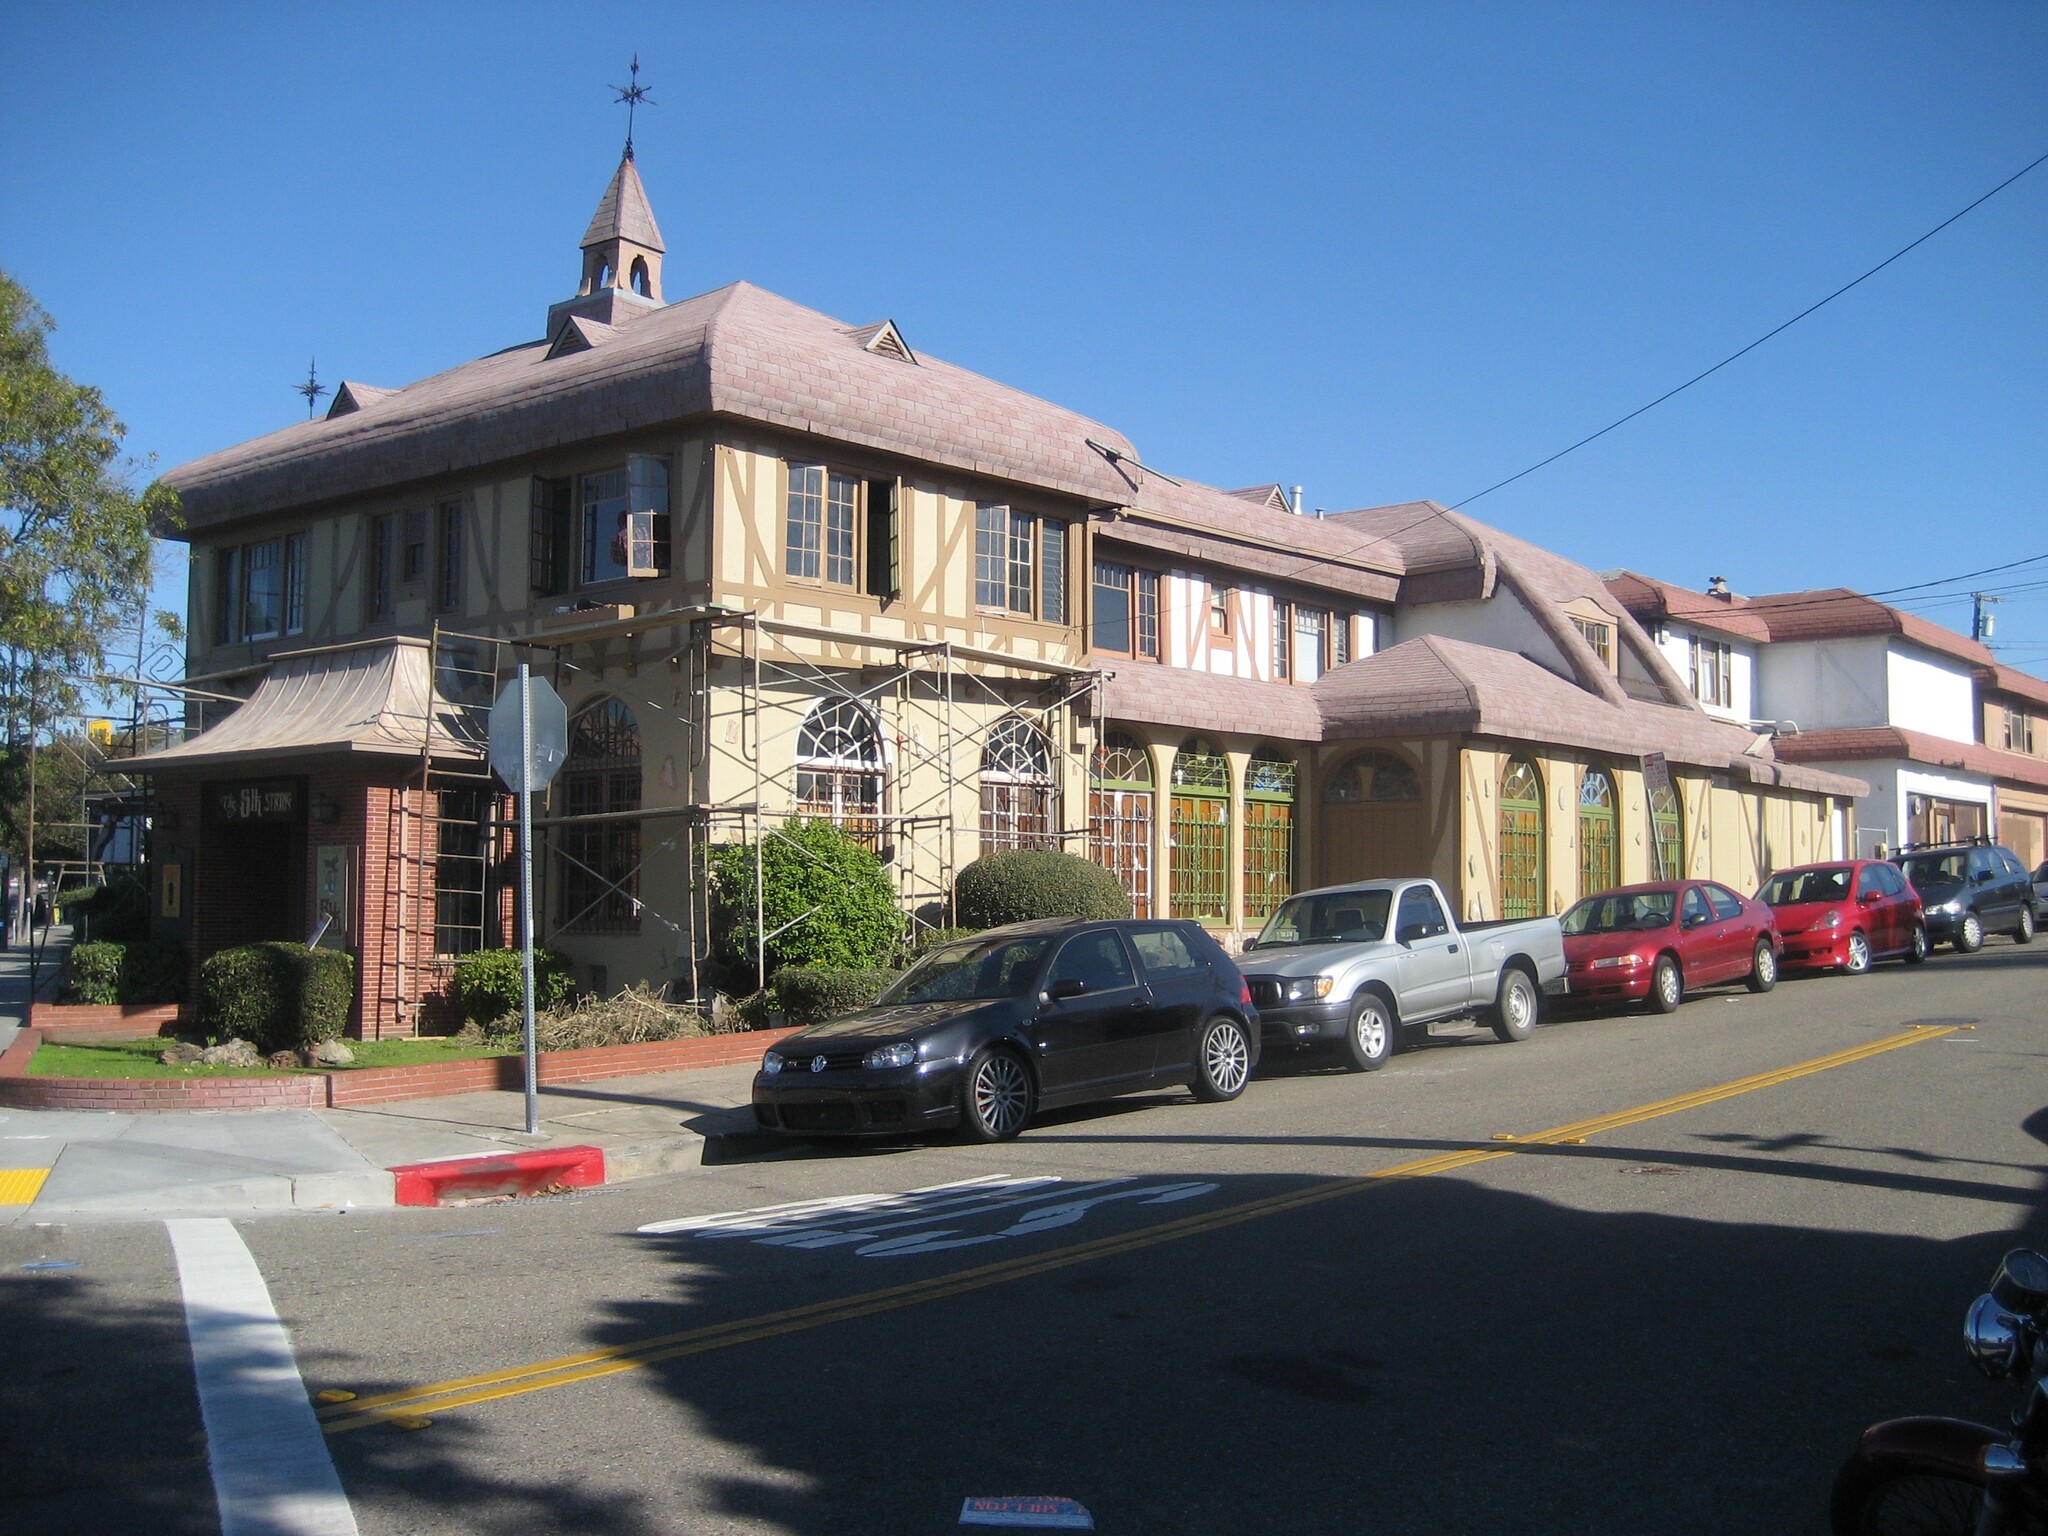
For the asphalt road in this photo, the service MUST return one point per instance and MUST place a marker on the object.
(1339, 1304)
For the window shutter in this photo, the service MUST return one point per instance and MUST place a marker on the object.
(549, 520)
(647, 541)
(885, 539)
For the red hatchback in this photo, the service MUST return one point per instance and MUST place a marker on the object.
(1655, 941)
(1846, 915)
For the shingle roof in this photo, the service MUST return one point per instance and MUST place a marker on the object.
(739, 351)
(2004, 679)
(1433, 684)
(1653, 601)
(624, 213)
(1889, 741)
(1837, 613)
(1147, 693)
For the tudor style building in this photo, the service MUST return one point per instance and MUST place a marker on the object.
(779, 564)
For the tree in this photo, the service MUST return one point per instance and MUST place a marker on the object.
(74, 534)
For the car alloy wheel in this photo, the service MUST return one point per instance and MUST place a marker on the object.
(1223, 1061)
(1859, 955)
(1763, 970)
(1371, 1038)
(1970, 937)
(2024, 934)
(1667, 985)
(1919, 948)
(998, 1096)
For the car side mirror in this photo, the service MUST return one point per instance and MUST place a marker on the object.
(1408, 933)
(1870, 896)
(1064, 988)
(1250, 945)
(1984, 877)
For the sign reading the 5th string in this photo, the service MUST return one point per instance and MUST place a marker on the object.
(255, 800)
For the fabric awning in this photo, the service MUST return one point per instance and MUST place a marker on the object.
(371, 700)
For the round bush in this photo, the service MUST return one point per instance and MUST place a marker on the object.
(488, 983)
(809, 994)
(1028, 883)
(826, 900)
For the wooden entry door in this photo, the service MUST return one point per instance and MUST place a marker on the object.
(1369, 841)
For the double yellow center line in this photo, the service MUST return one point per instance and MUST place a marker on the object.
(438, 1397)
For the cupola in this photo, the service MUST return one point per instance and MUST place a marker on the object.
(622, 253)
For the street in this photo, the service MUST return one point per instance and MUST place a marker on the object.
(1339, 1303)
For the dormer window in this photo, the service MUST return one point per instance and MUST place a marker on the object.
(1713, 672)
(1598, 634)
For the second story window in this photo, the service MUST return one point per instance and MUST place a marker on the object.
(1311, 642)
(1713, 666)
(260, 590)
(1598, 635)
(1283, 640)
(1020, 563)
(818, 541)
(448, 575)
(604, 526)
(263, 595)
(1221, 601)
(412, 561)
(377, 571)
(295, 584)
(227, 596)
(1341, 633)
(2019, 731)
(1126, 611)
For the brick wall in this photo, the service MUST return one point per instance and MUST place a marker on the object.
(61, 1021)
(146, 1095)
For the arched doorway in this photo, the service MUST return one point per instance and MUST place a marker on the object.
(1599, 857)
(1120, 812)
(599, 862)
(1200, 827)
(839, 768)
(1521, 840)
(1016, 788)
(1374, 823)
(1667, 834)
(1268, 833)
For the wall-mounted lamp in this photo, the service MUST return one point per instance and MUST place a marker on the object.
(325, 809)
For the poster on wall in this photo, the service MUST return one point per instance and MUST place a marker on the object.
(332, 885)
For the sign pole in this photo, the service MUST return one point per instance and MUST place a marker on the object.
(526, 901)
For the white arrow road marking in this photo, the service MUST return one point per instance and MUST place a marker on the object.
(272, 1475)
(864, 1222)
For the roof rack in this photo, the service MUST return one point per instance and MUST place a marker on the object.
(1981, 840)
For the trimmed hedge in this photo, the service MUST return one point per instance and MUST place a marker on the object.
(809, 994)
(1028, 883)
(109, 974)
(916, 946)
(279, 996)
(117, 910)
(488, 983)
(830, 898)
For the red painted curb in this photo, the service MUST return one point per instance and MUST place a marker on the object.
(513, 1173)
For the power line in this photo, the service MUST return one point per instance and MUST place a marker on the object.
(1767, 335)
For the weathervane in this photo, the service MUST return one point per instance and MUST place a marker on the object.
(312, 389)
(632, 95)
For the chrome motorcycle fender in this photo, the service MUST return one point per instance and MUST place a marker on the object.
(1926, 1444)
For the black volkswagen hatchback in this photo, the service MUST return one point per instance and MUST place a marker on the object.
(985, 1031)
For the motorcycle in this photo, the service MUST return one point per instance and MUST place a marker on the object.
(1947, 1477)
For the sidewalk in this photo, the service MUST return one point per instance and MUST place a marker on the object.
(14, 978)
(114, 1167)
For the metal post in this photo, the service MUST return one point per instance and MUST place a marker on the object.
(526, 901)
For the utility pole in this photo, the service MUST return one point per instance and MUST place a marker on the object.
(1981, 623)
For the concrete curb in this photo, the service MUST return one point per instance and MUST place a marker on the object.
(370, 1189)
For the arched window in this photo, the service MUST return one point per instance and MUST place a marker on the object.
(1599, 859)
(599, 861)
(1667, 834)
(839, 768)
(1120, 814)
(1268, 833)
(1521, 840)
(1200, 827)
(641, 283)
(1016, 788)
(1373, 777)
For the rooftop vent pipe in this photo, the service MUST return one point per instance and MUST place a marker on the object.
(1297, 501)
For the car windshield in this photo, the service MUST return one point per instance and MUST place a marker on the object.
(1622, 912)
(1925, 869)
(1328, 917)
(1797, 886)
(970, 969)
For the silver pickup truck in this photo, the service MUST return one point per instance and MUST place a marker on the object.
(1363, 964)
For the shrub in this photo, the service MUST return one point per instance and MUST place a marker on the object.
(916, 946)
(279, 996)
(1029, 883)
(810, 993)
(488, 983)
(116, 911)
(93, 973)
(825, 899)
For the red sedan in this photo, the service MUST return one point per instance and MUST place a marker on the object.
(1844, 916)
(1655, 941)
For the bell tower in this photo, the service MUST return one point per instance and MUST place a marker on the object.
(622, 248)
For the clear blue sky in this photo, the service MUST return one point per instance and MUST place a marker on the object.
(1382, 251)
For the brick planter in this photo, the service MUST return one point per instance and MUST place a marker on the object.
(365, 1085)
(73, 1021)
